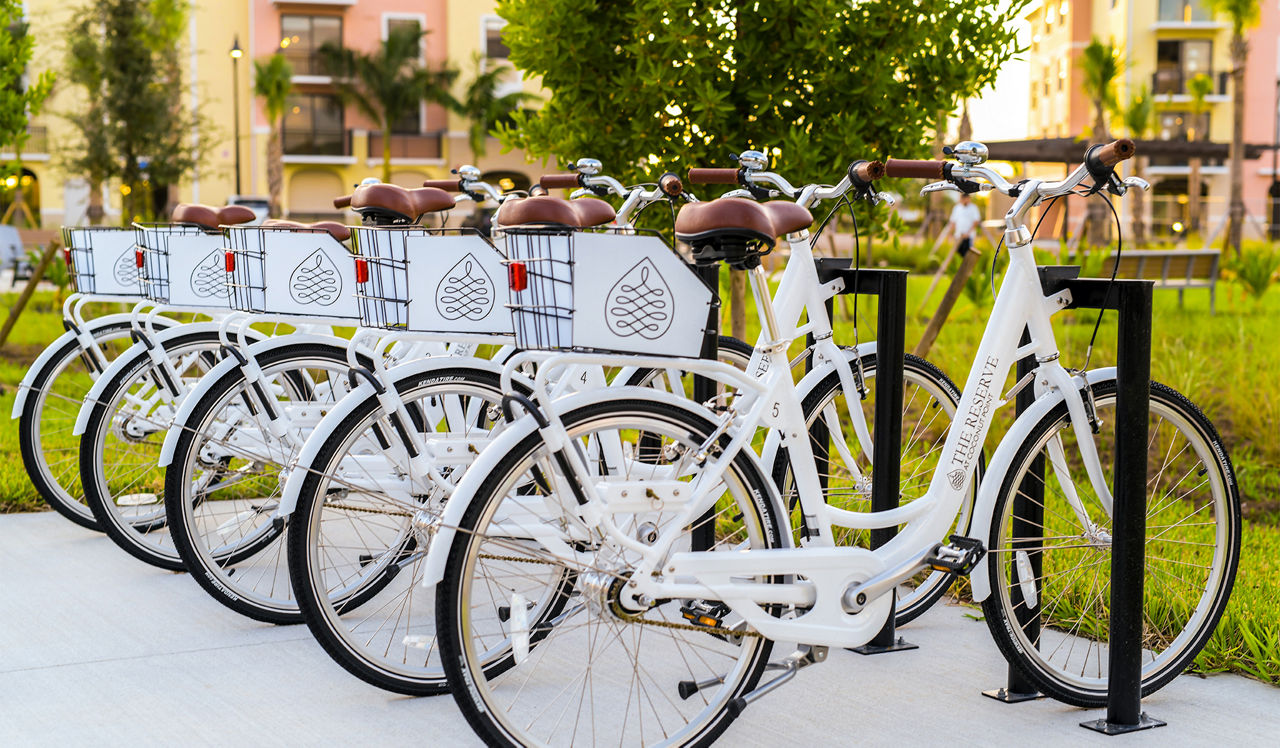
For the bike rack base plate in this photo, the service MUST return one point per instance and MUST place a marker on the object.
(1145, 722)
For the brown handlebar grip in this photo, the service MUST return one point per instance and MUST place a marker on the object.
(448, 185)
(342, 202)
(865, 172)
(559, 181)
(897, 167)
(713, 176)
(1115, 152)
(670, 185)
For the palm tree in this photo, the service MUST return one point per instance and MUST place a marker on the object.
(273, 82)
(1100, 66)
(1199, 86)
(1244, 14)
(482, 105)
(387, 85)
(1137, 118)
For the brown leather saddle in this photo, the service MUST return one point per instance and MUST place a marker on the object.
(389, 204)
(543, 210)
(210, 218)
(737, 230)
(334, 229)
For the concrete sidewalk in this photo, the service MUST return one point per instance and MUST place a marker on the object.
(97, 648)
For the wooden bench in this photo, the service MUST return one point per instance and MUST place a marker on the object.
(1169, 268)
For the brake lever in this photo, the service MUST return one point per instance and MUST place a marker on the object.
(1138, 182)
(938, 187)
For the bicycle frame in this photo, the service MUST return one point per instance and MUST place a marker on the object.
(843, 588)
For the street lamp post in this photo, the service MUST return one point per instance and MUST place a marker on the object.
(236, 54)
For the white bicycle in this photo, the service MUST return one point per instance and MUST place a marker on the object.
(616, 566)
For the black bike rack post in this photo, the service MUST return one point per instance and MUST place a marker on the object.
(1028, 519)
(1132, 299)
(886, 475)
(704, 389)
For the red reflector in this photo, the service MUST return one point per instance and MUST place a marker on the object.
(137, 257)
(517, 276)
(231, 262)
(362, 271)
(66, 255)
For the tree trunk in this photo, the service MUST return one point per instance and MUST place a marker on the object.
(275, 170)
(965, 130)
(1138, 201)
(95, 212)
(1235, 228)
(935, 218)
(738, 304)
(386, 153)
(1099, 231)
(1193, 197)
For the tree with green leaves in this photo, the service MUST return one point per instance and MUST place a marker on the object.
(1100, 67)
(654, 85)
(482, 105)
(1243, 15)
(138, 127)
(19, 99)
(387, 85)
(273, 82)
(1138, 116)
(1199, 86)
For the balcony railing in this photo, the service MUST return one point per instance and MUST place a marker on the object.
(1174, 81)
(317, 142)
(304, 62)
(424, 146)
(37, 140)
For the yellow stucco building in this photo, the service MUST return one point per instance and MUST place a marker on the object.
(328, 146)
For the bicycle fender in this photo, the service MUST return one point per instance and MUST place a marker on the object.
(347, 405)
(128, 358)
(456, 507)
(225, 366)
(1000, 463)
(47, 355)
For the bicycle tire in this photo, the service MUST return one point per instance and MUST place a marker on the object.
(1165, 654)
(471, 675)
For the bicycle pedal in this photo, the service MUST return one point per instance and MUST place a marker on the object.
(704, 613)
(959, 555)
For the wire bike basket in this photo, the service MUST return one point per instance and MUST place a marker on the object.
(442, 281)
(290, 271)
(182, 265)
(108, 248)
(609, 291)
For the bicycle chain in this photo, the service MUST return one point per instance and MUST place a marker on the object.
(636, 618)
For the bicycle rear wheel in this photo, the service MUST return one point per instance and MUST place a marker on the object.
(222, 488)
(594, 672)
(50, 451)
(1047, 568)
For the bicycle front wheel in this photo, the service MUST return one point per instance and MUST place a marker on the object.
(1050, 571)
(594, 672)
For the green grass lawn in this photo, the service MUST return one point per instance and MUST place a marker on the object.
(1227, 363)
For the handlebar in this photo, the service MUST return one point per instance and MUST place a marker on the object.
(863, 173)
(904, 168)
(342, 202)
(559, 181)
(670, 185)
(1107, 156)
(713, 176)
(448, 185)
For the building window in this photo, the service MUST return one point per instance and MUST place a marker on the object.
(313, 126)
(494, 47)
(1178, 61)
(301, 37)
(1184, 126)
(1182, 11)
(406, 25)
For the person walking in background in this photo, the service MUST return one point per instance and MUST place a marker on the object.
(965, 218)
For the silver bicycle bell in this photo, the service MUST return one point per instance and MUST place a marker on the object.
(970, 153)
(468, 173)
(588, 166)
(753, 160)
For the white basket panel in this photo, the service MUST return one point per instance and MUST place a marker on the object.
(308, 274)
(457, 284)
(113, 266)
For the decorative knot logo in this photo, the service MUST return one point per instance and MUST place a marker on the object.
(956, 478)
(640, 303)
(465, 292)
(316, 280)
(126, 267)
(209, 279)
